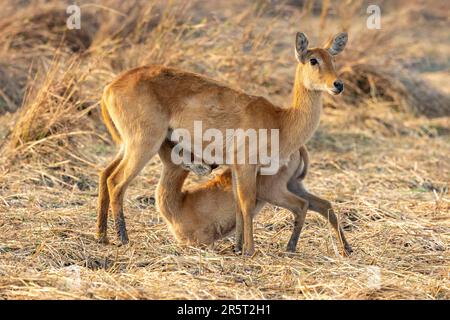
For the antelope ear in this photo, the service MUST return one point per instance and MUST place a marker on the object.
(301, 46)
(337, 44)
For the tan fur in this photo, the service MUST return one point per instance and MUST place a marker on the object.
(143, 104)
(206, 213)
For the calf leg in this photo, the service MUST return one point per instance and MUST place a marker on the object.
(324, 208)
(297, 205)
(299, 221)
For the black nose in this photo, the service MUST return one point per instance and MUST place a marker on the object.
(339, 85)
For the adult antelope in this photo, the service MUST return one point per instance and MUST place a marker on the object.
(142, 105)
(206, 213)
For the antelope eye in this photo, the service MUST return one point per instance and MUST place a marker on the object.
(313, 61)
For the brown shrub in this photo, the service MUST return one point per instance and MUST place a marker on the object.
(405, 89)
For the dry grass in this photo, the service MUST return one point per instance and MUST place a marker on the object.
(381, 154)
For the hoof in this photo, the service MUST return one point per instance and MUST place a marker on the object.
(347, 251)
(292, 245)
(290, 249)
(249, 252)
(121, 231)
(237, 249)
(103, 239)
(124, 240)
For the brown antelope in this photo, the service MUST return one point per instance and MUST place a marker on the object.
(206, 212)
(142, 105)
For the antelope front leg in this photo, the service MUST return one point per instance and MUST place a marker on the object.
(239, 234)
(245, 181)
(239, 229)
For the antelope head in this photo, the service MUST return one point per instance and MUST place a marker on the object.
(316, 65)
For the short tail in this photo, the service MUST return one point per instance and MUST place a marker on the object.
(109, 123)
(305, 159)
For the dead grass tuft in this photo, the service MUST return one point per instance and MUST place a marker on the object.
(45, 26)
(404, 89)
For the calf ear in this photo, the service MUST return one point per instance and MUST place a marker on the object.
(337, 44)
(301, 46)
